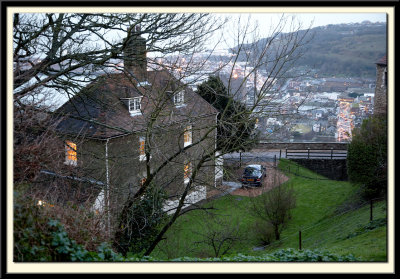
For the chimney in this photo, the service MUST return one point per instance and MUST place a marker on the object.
(135, 61)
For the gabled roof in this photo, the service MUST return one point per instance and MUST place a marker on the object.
(101, 111)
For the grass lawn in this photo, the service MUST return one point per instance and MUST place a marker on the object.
(316, 215)
(301, 128)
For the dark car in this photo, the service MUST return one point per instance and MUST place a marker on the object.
(253, 175)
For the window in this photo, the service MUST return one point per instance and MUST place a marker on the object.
(70, 153)
(179, 98)
(187, 172)
(135, 106)
(43, 203)
(142, 154)
(187, 136)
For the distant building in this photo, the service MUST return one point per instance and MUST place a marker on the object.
(380, 102)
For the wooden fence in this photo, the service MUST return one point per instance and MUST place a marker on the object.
(315, 154)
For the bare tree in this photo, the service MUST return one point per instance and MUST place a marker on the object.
(60, 55)
(274, 208)
(72, 54)
(68, 51)
(221, 233)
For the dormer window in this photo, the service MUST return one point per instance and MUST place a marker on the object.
(135, 106)
(143, 83)
(179, 98)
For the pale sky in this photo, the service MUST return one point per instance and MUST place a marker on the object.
(269, 20)
(321, 19)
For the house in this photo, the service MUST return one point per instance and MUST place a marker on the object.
(128, 126)
(380, 99)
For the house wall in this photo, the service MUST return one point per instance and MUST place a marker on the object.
(125, 169)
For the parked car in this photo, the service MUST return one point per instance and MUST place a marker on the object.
(253, 175)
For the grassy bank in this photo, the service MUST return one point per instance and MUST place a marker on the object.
(324, 222)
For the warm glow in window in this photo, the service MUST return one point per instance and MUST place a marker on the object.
(141, 148)
(142, 181)
(70, 153)
(187, 136)
(187, 172)
(44, 204)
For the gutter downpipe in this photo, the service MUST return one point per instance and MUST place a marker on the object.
(216, 150)
(107, 192)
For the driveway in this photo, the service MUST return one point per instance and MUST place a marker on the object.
(273, 179)
(234, 187)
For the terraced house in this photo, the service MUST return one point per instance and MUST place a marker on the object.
(127, 126)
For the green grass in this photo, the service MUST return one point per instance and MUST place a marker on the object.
(301, 128)
(323, 226)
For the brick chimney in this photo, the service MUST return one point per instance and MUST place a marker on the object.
(135, 61)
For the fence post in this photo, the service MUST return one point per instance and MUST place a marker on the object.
(275, 160)
(280, 153)
(370, 211)
(308, 154)
(331, 153)
(286, 153)
(299, 240)
(240, 159)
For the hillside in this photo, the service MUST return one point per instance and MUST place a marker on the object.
(326, 212)
(344, 49)
(350, 50)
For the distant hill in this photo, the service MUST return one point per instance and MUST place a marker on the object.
(345, 49)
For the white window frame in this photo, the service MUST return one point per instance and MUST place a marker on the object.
(134, 106)
(70, 147)
(187, 133)
(179, 98)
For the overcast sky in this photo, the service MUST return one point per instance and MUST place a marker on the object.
(321, 19)
(268, 20)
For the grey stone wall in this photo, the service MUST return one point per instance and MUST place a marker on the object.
(303, 145)
(330, 168)
(380, 101)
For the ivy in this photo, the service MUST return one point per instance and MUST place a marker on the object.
(368, 227)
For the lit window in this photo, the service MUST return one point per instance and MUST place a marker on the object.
(179, 98)
(187, 172)
(142, 181)
(44, 204)
(135, 106)
(70, 153)
(142, 154)
(187, 136)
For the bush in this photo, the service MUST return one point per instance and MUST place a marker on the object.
(284, 255)
(39, 238)
(264, 232)
(367, 157)
(140, 222)
(274, 208)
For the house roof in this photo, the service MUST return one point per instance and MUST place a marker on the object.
(382, 61)
(101, 109)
